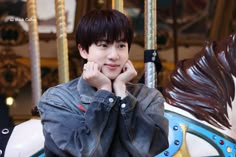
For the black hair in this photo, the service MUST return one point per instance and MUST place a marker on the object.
(108, 24)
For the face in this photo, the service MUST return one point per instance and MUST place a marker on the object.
(110, 57)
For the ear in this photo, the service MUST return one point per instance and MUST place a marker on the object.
(83, 52)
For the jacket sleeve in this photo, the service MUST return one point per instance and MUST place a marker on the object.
(142, 126)
(68, 133)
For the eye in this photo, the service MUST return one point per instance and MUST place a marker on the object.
(122, 45)
(102, 44)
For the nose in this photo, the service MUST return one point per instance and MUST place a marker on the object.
(114, 55)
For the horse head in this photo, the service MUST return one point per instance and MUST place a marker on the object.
(204, 85)
(201, 92)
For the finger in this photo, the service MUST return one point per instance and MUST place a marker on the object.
(84, 68)
(87, 70)
(89, 66)
(84, 71)
(130, 63)
(132, 68)
(96, 68)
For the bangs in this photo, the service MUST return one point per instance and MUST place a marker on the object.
(104, 25)
(110, 38)
(110, 30)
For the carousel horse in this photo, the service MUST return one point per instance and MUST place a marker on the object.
(199, 103)
(199, 106)
(26, 139)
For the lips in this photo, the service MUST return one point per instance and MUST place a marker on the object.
(112, 66)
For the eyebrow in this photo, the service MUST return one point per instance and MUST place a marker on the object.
(106, 40)
(121, 40)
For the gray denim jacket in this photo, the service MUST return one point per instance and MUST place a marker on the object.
(110, 127)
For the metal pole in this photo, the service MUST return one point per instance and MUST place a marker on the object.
(118, 5)
(62, 45)
(150, 54)
(175, 33)
(34, 51)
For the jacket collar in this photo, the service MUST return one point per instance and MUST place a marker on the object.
(86, 92)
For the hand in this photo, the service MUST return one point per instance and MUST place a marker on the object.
(95, 78)
(128, 74)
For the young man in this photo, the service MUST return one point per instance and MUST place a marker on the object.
(101, 114)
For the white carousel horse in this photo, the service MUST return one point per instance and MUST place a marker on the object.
(26, 140)
(200, 105)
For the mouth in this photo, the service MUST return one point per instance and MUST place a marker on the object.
(112, 66)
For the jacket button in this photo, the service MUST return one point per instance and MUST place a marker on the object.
(123, 105)
(5, 131)
(111, 100)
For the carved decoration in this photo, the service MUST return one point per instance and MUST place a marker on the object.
(11, 33)
(13, 75)
(50, 75)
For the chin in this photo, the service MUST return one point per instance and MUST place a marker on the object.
(112, 77)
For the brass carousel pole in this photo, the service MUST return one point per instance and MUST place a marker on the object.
(62, 45)
(34, 51)
(150, 53)
(118, 5)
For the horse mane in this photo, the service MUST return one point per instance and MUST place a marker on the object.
(204, 85)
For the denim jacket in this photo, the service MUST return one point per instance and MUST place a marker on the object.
(110, 127)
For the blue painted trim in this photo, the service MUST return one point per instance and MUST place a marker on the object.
(40, 153)
(175, 138)
(220, 141)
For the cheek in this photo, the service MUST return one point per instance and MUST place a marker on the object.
(93, 58)
(124, 59)
(96, 56)
(96, 60)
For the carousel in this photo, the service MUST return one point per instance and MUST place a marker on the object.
(200, 91)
